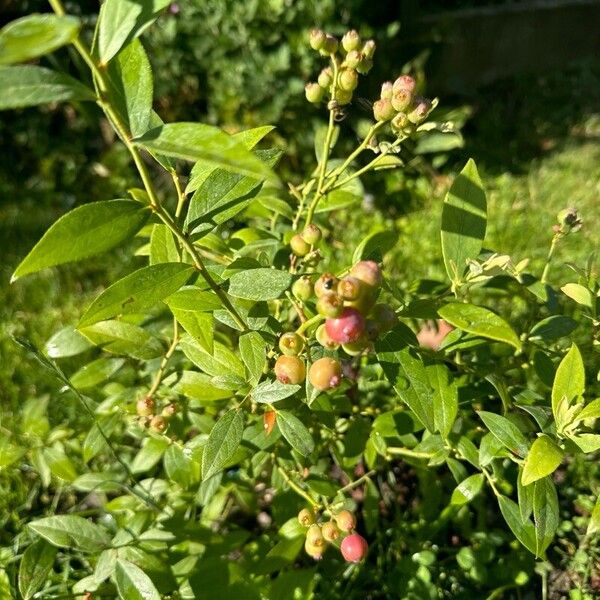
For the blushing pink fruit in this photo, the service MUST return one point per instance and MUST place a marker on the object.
(354, 547)
(348, 327)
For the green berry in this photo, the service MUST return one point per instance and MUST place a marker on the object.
(368, 49)
(343, 97)
(367, 271)
(306, 517)
(386, 90)
(145, 406)
(314, 535)
(323, 338)
(331, 45)
(326, 284)
(316, 39)
(158, 424)
(314, 92)
(351, 40)
(325, 78)
(364, 66)
(302, 288)
(348, 79)
(314, 550)
(312, 234)
(401, 100)
(299, 246)
(383, 110)
(325, 374)
(405, 82)
(419, 113)
(291, 344)
(345, 520)
(330, 305)
(290, 370)
(330, 531)
(400, 121)
(358, 347)
(350, 288)
(353, 59)
(170, 410)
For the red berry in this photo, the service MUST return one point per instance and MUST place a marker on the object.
(290, 369)
(354, 548)
(325, 373)
(348, 327)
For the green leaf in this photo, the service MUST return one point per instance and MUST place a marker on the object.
(96, 372)
(149, 454)
(223, 441)
(83, 232)
(590, 411)
(506, 432)
(586, 442)
(188, 307)
(543, 458)
(294, 431)
(179, 466)
(545, 514)
(525, 497)
(121, 21)
(466, 490)
(120, 337)
(594, 524)
(131, 87)
(163, 247)
(254, 354)
(223, 195)
(375, 245)
(133, 583)
(222, 361)
(406, 372)
(445, 398)
(197, 141)
(350, 193)
(579, 293)
(200, 386)
(71, 531)
(524, 531)
(569, 381)
(35, 566)
(202, 170)
(94, 442)
(67, 342)
(259, 284)
(464, 219)
(59, 463)
(138, 291)
(479, 321)
(35, 35)
(273, 391)
(106, 482)
(552, 328)
(30, 85)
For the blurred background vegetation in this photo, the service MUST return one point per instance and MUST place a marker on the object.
(533, 128)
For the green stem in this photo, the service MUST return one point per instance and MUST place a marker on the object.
(294, 486)
(553, 245)
(163, 363)
(145, 176)
(356, 483)
(304, 326)
(408, 453)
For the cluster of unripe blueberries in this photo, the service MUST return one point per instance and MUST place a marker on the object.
(339, 531)
(148, 418)
(399, 104)
(353, 319)
(356, 57)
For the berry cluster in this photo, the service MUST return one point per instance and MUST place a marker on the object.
(352, 318)
(350, 57)
(146, 410)
(399, 104)
(339, 531)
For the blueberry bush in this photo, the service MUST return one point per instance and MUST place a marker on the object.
(266, 408)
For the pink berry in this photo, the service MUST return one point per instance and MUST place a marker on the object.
(354, 548)
(348, 327)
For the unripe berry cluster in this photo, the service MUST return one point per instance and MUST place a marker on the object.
(148, 417)
(399, 104)
(353, 320)
(304, 244)
(350, 57)
(321, 533)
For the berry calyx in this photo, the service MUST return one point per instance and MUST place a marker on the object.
(324, 339)
(314, 550)
(330, 531)
(354, 548)
(145, 406)
(348, 327)
(367, 271)
(401, 100)
(303, 288)
(290, 369)
(291, 344)
(306, 517)
(312, 234)
(330, 305)
(345, 520)
(326, 284)
(325, 374)
(314, 535)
